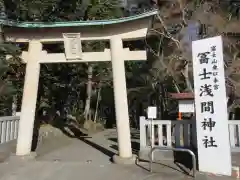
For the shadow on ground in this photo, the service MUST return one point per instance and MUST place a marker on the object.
(135, 145)
(72, 130)
(170, 166)
(185, 158)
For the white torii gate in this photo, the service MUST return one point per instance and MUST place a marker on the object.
(115, 31)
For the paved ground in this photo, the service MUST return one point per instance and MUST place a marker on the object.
(64, 158)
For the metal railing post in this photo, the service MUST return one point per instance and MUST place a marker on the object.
(173, 149)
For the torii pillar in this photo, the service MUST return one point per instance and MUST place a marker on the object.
(29, 100)
(121, 103)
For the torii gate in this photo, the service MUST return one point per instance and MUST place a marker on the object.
(71, 33)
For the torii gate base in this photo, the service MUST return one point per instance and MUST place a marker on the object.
(115, 31)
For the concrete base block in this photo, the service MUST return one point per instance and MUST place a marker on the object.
(126, 161)
(236, 172)
(29, 157)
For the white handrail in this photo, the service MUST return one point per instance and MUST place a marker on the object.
(174, 133)
(9, 118)
(8, 128)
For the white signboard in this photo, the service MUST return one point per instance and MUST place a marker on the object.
(214, 155)
(186, 106)
(73, 46)
(152, 112)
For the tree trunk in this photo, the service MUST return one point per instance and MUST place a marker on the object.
(1, 35)
(187, 80)
(96, 110)
(14, 105)
(89, 93)
(3, 16)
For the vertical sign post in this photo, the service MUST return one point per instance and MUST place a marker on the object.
(152, 114)
(214, 153)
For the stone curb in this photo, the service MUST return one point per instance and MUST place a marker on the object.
(126, 161)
